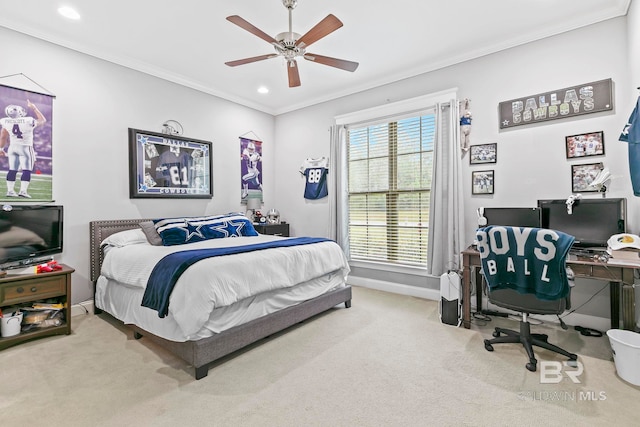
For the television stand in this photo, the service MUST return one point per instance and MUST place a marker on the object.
(22, 290)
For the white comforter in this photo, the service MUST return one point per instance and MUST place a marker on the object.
(220, 281)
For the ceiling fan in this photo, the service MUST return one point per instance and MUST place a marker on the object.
(291, 45)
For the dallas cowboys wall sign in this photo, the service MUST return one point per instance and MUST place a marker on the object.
(169, 166)
(557, 104)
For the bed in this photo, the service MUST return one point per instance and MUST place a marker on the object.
(258, 305)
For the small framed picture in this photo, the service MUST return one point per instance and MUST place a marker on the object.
(585, 145)
(484, 153)
(583, 175)
(482, 182)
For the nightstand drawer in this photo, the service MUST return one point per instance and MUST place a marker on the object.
(33, 289)
(273, 229)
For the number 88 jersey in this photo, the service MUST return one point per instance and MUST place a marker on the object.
(315, 172)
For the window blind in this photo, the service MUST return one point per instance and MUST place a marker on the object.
(390, 170)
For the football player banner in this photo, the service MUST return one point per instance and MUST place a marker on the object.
(251, 169)
(169, 166)
(26, 148)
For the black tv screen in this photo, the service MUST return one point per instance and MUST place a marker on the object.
(515, 217)
(29, 233)
(591, 222)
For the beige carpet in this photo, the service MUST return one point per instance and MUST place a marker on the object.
(386, 361)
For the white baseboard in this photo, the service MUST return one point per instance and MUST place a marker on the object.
(573, 319)
(84, 307)
(395, 288)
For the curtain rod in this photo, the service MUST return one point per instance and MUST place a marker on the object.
(402, 114)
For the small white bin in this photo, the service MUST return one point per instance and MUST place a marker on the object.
(626, 354)
(10, 325)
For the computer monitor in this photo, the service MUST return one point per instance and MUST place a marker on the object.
(591, 221)
(515, 217)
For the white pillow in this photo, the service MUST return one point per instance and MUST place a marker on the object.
(124, 238)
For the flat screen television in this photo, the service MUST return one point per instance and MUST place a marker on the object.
(29, 234)
(515, 217)
(591, 222)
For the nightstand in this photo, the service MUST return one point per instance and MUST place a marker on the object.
(273, 229)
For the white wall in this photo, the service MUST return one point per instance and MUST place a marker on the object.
(96, 102)
(633, 36)
(531, 162)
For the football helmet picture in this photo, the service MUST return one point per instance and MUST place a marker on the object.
(273, 217)
(15, 111)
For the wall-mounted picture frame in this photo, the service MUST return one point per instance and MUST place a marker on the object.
(482, 182)
(483, 153)
(583, 175)
(169, 166)
(585, 145)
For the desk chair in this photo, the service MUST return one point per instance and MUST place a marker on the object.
(526, 272)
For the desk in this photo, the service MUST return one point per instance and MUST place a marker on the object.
(619, 276)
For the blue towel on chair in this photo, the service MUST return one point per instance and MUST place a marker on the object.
(528, 260)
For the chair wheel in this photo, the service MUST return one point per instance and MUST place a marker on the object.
(532, 366)
(487, 345)
(496, 334)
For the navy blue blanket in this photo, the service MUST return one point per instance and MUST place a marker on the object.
(167, 271)
(528, 260)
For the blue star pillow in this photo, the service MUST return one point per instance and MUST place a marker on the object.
(178, 231)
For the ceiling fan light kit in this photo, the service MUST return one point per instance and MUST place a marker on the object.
(290, 45)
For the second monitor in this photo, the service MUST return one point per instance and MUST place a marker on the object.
(515, 217)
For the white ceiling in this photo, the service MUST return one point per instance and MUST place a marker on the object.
(188, 41)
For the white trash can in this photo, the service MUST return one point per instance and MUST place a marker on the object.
(625, 346)
(10, 325)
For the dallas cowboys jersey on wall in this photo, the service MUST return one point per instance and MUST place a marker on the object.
(631, 134)
(315, 172)
(174, 168)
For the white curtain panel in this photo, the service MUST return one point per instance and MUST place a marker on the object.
(446, 215)
(339, 188)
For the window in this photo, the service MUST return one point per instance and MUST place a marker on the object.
(390, 168)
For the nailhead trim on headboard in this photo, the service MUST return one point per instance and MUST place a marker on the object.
(100, 230)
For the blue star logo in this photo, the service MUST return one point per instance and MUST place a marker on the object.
(625, 131)
(229, 228)
(191, 231)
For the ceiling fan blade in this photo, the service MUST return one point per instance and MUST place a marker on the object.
(294, 75)
(250, 60)
(240, 22)
(325, 27)
(343, 64)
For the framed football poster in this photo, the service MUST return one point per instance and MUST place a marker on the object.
(169, 166)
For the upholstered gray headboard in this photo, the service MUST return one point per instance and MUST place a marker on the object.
(100, 230)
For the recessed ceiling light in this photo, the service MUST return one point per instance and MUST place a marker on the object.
(263, 89)
(68, 12)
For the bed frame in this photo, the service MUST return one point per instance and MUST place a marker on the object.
(201, 353)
